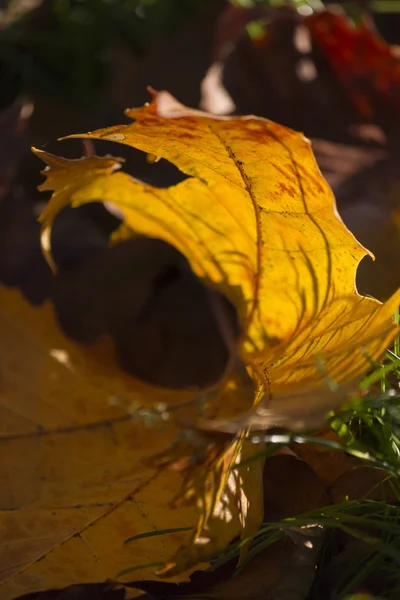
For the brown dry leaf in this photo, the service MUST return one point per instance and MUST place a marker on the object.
(361, 482)
(260, 579)
(344, 475)
(291, 487)
(287, 568)
(318, 457)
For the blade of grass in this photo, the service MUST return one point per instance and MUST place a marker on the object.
(139, 567)
(148, 534)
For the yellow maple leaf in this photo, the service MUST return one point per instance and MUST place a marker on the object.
(75, 484)
(258, 223)
(77, 468)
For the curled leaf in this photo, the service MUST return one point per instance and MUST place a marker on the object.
(258, 224)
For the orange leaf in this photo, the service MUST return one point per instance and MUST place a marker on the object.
(363, 62)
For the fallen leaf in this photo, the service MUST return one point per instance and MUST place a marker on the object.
(328, 464)
(364, 63)
(259, 579)
(291, 487)
(258, 224)
(59, 371)
(287, 567)
(271, 242)
(229, 497)
(289, 78)
(362, 482)
(74, 480)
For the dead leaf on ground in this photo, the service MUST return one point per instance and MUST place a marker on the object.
(291, 487)
(363, 482)
(257, 225)
(260, 579)
(74, 483)
(287, 568)
(76, 453)
(318, 457)
(272, 243)
(253, 246)
(344, 475)
(252, 285)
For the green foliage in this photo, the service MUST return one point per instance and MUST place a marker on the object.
(61, 48)
(379, 6)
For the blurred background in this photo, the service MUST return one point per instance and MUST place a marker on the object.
(328, 69)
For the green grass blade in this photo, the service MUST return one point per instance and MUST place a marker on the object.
(148, 534)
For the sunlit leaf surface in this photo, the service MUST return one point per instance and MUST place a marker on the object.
(258, 223)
